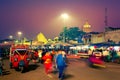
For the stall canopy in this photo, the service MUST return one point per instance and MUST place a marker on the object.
(104, 44)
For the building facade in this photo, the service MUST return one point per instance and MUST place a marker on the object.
(110, 35)
(97, 38)
(113, 36)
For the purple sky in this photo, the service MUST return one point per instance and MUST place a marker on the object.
(35, 16)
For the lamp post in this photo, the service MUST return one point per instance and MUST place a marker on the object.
(65, 17)
(19, 35)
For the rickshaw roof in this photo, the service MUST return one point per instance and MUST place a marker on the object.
(20, 49)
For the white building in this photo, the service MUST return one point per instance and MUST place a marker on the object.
(97, 38)
(112, 36)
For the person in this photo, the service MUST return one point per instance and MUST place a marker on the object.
(1, 53)
(40, 55)
(61, 64)
(54, 61)
(34, 55)
(1, 66)
(106, 55)
(47, 63)
(113, 55)
(1, 62)
(89, 52)
(53, 52)
(118, 53)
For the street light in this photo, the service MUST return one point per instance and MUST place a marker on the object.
(10, 37)
(65, 17)
(19, 35)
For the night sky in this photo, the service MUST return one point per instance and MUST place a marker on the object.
(34, 16)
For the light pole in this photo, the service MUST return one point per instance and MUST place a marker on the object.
(19, 35)
(65, 17)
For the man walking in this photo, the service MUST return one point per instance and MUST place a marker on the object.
(61, 64)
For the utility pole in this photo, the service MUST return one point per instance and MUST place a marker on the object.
(106, 23)
(106, 19)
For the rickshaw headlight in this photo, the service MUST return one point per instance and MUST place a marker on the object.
(28, 59)
(15, 59)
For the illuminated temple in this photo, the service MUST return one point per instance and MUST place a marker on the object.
(87, 27)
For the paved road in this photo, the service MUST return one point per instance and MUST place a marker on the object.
(76, 70)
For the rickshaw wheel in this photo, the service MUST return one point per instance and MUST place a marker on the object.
(10, 65)
(16, 69)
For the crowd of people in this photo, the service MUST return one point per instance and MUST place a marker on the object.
(54, 60)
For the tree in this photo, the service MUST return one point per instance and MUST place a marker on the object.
(63, 35)
(56, 39)
(72, 33)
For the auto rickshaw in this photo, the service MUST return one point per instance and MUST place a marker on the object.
(96, 60)
(19, 58)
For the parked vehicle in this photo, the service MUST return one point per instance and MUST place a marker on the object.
(19, 57)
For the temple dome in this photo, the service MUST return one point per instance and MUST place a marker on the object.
(87, 25)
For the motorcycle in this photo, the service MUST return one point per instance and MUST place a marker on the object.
(96, 60)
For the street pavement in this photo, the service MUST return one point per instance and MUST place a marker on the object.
(77, 69)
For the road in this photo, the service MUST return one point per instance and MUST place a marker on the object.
(77, 69)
